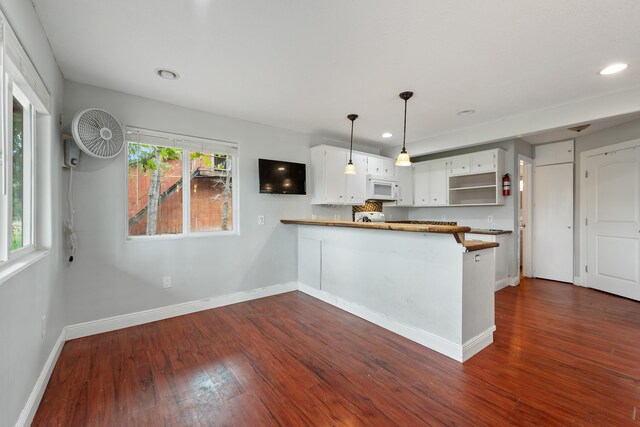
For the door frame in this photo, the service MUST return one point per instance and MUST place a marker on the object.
(528, 249)
(582, 280)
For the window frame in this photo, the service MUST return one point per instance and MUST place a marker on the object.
(187, 144)
(11, 91)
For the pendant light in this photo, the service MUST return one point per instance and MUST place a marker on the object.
(350, 169)
(403, 158)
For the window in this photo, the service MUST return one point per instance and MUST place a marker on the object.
(179, 185)
(25, 232)
(17, 217)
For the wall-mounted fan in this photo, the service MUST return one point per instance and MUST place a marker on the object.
(98, 134)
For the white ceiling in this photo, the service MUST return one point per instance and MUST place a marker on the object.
(304, 65)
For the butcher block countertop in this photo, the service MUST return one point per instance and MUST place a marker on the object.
(456, 231)
(418, 228)
(489, 231)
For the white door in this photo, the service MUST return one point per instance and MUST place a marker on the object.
(553, 222)
(613, 227)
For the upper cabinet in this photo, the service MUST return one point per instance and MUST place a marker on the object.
(466, 180)
(482, 161)
(383, 166)
(405, 186)
(553, 154)
(430, 183)
(480, 182)
(329, 184)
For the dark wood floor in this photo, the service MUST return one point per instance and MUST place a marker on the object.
(562, 355)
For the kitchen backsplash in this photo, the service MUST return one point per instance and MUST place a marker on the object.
(369, 206)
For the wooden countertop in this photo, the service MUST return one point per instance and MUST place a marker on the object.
(418, 228)
(456, 231)
(476, 245)
(489, 231)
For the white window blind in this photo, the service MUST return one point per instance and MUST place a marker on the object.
(17, 64)
(145, 136)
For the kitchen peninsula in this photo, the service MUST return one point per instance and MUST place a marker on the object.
(424, 282)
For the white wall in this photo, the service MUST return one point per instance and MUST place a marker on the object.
(37, 290)
(113, 276)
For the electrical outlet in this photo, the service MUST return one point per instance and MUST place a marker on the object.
(44, 325)
(166, 282)
(337, 217)
(260, 219)
(490, 218)
(443, 218)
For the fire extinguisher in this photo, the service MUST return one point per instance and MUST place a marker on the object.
(506, 185)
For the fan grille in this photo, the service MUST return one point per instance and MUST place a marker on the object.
(98, 133)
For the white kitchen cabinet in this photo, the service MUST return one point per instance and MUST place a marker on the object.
(460, 165)
(356, 191)
(421, 184)
(482, 184)
(330, 186)
(430, 183)
(405, 186)
(553, 154)
(334, 178)
(382, 166)
(438, 182)
(483, 161)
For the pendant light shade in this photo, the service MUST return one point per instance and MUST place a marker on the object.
(350, 169)
(403, 158)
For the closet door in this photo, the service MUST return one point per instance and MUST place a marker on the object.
(553, 222)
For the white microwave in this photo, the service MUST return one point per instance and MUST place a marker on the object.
(381, 188)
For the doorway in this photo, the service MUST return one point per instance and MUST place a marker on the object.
(525, 241)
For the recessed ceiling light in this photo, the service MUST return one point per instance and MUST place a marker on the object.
(387, 135)
(613, 68)
(466, 112)
(167, 74)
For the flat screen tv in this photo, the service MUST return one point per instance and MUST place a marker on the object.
(280, 177)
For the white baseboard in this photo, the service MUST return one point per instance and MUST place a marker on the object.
(507, 281)
(133, 319)
(427, 339)
(477, 343)
(30, 408)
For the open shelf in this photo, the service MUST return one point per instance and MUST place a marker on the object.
(472, 187)
(473, 196)
(476, 180)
